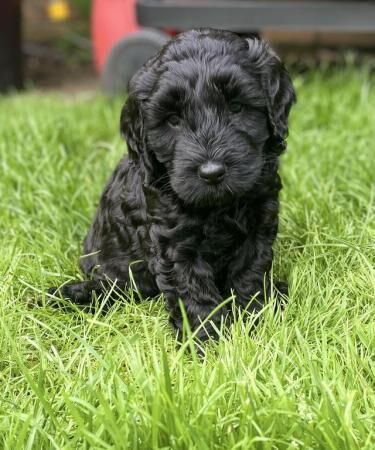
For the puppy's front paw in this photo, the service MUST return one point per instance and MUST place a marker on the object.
(281, 292)
(56, 291)
(282, 288)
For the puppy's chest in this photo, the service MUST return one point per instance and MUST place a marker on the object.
(220, 238)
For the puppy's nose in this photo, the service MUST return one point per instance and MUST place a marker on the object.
(211, 172)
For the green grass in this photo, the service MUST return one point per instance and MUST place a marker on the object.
(74, 380)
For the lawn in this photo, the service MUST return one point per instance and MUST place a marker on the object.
(71, 379)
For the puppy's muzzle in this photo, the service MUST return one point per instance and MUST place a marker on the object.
(212, 172)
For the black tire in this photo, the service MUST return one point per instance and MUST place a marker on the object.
(128, 55)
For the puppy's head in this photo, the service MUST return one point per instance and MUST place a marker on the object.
(207, 115)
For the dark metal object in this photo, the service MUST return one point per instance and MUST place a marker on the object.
(10, 45)
(244, 15)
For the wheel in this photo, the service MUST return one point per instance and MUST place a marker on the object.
(128, 55)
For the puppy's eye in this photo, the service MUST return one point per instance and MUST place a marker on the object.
(235, 107)
(174, 120)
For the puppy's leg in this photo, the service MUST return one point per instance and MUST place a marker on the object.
(249, 275)
(192, 282)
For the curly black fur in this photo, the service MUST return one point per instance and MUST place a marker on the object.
(209, 100)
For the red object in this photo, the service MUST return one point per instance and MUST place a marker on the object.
(111, 20)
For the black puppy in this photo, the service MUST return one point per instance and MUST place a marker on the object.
(195, 201)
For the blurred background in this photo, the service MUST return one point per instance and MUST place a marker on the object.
(96, 45)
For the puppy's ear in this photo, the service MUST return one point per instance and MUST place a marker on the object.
(132, 121)
(131, 127)
(278, 89)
